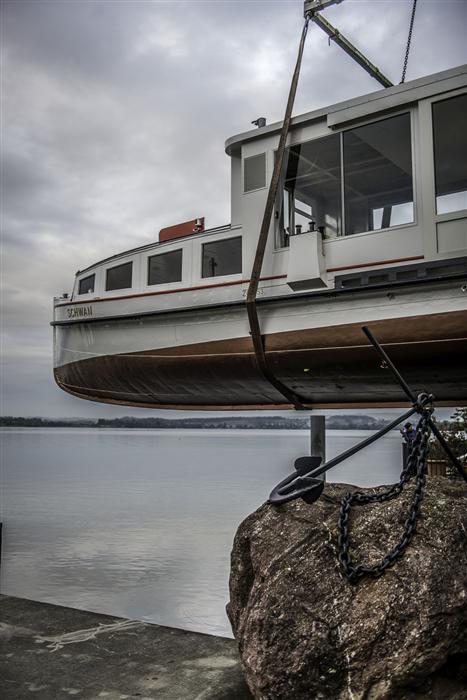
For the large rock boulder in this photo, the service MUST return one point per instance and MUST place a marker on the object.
(305, 632)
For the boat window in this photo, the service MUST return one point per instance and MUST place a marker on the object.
(311, 189)
(118, 277)
(86, 285)
(450, 144)
(165, 267)
(222, 257)
(378, 188)
(254, 172)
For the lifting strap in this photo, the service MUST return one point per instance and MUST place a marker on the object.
(255, 330)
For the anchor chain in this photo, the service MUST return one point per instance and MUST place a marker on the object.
(416, 465)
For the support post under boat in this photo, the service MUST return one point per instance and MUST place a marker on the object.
(318, 438)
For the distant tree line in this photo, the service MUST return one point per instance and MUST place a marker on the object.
(21, 422)
(338, 422)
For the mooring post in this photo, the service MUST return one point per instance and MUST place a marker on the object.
(318, 438)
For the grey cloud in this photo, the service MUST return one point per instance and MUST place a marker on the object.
(74, 36)
(31, 198)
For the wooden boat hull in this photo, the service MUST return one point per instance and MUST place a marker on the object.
(329, 367)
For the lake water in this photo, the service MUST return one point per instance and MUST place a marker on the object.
(140, 523)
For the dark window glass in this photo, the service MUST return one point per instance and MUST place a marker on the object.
(311, 192)
(119, 277)
(450, 143)
(222, 257)
(254, 172)
(378, 175)
(165, 267)
(86, 285)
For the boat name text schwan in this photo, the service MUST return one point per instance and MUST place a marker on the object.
(79, 312)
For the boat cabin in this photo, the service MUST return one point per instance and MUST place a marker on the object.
(375, 182)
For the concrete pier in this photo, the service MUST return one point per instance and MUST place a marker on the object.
(51, 652)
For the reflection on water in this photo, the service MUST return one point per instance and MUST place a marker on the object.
(140, 523)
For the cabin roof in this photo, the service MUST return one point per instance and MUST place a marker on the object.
(358, 107)
(154, 244)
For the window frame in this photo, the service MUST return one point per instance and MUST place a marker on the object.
(443, 97)
(255, 155)
(113, 267)
(220, 240)
(292, 210)
(83, 279)
(414, 139)
(149, 284)
(406, 109)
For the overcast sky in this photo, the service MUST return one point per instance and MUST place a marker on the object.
(114, 121)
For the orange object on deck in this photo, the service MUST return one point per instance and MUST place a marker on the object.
(180, 230)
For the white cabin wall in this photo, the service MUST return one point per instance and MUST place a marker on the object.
(427, 180)
(236, 189)
(451, 236)
(376, 247)
(196, 264)
(252, 205)
(99, 283)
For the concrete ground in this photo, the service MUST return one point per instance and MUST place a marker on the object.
(49, 652)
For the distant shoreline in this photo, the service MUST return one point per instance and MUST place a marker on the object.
(338, 422)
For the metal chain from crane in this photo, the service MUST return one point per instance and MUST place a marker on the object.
(416, 464)
(255, 329)
(409, 41)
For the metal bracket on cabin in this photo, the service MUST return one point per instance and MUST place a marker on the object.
(307, 485)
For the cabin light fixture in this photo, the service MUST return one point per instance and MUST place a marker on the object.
(259, 122)
(306, 369)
